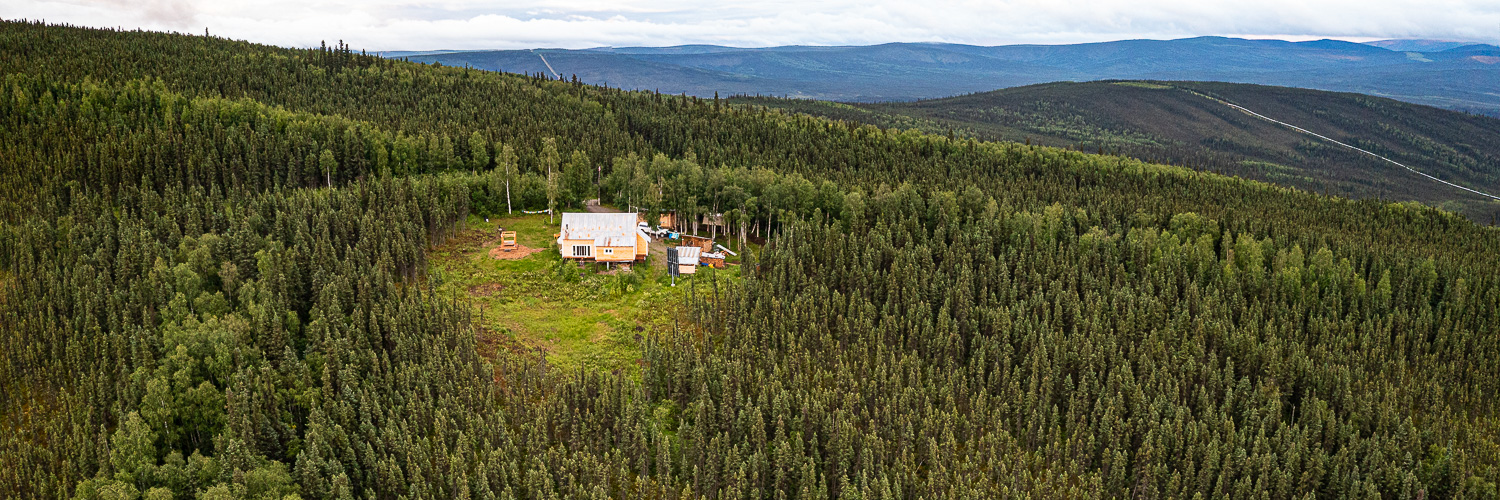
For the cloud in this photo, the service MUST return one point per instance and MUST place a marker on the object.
(472, 24)
(107, 12)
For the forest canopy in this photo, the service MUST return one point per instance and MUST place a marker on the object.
(214, 284)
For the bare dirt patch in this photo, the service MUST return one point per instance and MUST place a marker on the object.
(520, 252)
(486, 289)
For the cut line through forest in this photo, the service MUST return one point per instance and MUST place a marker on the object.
(1326, 138)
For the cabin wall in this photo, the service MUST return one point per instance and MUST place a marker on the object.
(614, 254)
(567, 249)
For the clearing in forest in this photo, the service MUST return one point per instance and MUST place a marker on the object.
(530, 303)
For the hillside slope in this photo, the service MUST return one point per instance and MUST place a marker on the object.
(1172, 122)
(1464, 77)
(215, 283)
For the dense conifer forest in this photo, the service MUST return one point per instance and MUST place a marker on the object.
(214, 284)
(1188, 124)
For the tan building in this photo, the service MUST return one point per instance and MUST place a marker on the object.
(666, 218)
(602, 237)
(702, 243)
(687, 259)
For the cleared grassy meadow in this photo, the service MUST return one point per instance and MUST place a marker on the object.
(587, 317)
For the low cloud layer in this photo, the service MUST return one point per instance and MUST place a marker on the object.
(467, 24)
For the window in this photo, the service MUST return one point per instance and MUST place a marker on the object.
(582, 251)
(609, 251)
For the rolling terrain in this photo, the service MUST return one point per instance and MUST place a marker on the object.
(1418, 45)
(1462, 77)
(1177, 123)
(231, 270)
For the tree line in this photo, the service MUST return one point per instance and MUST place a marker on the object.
(198, 305)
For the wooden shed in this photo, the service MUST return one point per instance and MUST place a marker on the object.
(667, 218)
(687, 259)
(713, 220)
(704, 244)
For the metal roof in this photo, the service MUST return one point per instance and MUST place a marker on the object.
(607, 230)
(688, 255)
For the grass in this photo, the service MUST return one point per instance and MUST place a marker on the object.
(586, 318)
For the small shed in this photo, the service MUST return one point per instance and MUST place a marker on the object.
(687, 259)
(667, 218)
(711, 220)
(704, 244)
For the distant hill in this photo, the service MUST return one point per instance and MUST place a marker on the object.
(412, 53)
(1418, 45)
(1462, 77)
(1172, 122)
(231, 270)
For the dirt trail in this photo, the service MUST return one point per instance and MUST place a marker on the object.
(593, 207)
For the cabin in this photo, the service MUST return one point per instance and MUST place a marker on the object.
(602, 238)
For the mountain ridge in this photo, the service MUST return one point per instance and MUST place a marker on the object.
(1462, 77)
(231, 270)
(1179, 123)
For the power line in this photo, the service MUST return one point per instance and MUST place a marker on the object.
(1320, 136)
(549, 65)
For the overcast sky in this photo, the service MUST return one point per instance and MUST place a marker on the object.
(471, 24)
